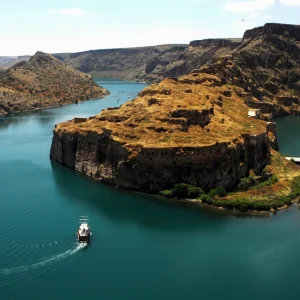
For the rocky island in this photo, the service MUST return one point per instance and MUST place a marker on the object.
(192, 136)
(43, 82)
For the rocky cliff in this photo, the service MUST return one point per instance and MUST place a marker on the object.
(150, 64)
(191, 129)
(265, 63)
(43, 82)
(195, 128)
(124, 63)
(197, 54)
(267, 66)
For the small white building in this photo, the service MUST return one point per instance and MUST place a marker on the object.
(253, 113)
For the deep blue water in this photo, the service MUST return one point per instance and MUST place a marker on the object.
(141, 248)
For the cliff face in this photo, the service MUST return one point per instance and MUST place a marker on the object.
(191, 129)
(150, 64)
(124, 63)
(155, 169)
(196, 55)
(265, 63)
(267, 66)
(43, 82)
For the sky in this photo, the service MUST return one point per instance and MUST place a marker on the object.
(58, 26)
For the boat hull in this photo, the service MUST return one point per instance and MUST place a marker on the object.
(83, 239)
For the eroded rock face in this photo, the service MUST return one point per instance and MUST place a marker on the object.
(150, 64)
(155, 169)
(168, 136)
(193, 116)
(195, 128)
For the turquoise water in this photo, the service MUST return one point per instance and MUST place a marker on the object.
(288, 129)
(141, 248)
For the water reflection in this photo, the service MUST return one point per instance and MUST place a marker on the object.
(41, 116)
(125, 206)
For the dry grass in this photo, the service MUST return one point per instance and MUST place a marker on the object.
(150, 125)
(284, 170)
(42, 82)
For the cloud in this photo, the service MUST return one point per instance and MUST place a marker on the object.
(290, 2)
(248, 6)
(68, 11)
(266, 17)
(64, 25)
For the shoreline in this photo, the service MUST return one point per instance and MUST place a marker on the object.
(196, 204)
(193, 203)
(51, 106)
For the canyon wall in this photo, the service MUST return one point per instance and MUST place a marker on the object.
(155, 169)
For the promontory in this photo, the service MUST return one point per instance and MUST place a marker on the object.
(208, 136)
(43, 82)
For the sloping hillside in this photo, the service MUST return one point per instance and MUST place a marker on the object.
(267, 66)
(126, 63)
(150, 64)
(42, 82)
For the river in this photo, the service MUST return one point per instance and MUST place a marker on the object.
(141, 249)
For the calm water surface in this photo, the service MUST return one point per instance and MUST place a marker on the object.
(141, 249)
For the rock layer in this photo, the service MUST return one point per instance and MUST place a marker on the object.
(155, 169)
(141, 146)
(150, 64)
(195, 128)
(265, 63)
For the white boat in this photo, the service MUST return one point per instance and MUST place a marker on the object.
(84, 230)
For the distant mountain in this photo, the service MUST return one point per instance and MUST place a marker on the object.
(8, 61)
(150, 64)
(183, 62)
(265, 63)
(42, 82)
(123, 63)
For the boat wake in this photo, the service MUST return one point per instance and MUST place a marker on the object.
(43, 263)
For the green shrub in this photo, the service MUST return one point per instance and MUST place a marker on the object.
(166, 193)
(194, 192)
(182, 190)
(206, 198)
(273, 179)
(246, 183)
(221, 192)
(218, 191)
(212, 193)
(295, 187)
